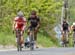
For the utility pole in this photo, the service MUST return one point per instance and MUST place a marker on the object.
(66, 9)
(64, 14)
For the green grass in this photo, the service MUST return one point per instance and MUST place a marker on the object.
(9, 39)
(45, 41)
(71, 41)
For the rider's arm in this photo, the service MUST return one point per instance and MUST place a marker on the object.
(14, 22)
(14, 25)
(61, 28)
(25, 23)
(38, 23)
(72, 27)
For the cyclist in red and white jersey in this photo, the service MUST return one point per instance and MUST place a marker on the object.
(19, 23)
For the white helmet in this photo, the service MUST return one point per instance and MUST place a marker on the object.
(20, 14)
(73, 23)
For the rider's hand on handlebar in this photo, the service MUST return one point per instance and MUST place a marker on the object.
(36, 28)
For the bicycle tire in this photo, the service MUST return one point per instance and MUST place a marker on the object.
(19, 45)
(31, 43)
(32, 40)
(65, 44)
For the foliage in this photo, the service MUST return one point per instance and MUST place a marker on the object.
(49, 12)
(71, 9)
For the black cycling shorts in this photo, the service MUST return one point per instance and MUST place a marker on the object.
(74, 30)
(31, 28)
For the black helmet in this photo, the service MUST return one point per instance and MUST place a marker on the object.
(33, 12)
(64, 21)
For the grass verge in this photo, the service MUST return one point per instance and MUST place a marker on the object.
(9, 39)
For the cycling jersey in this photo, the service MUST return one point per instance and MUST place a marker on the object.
(20, 21)
(65, 26)
(33, 21)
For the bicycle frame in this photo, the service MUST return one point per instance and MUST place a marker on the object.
(18, 34)
(31, 39)
(65, 41)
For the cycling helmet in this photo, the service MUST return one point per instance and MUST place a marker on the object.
(33, 12)
(20, 14)
(73, 23)
(64, 21)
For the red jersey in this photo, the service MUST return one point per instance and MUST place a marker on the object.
(20, 21)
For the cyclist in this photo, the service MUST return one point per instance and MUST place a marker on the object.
(73, 26)
(19, 23)
(65, 28)
(73, 29)
(34, 22)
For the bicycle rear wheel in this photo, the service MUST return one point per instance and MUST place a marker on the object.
(19, 48)
(65, 41)
(32, 40)
(31, 43)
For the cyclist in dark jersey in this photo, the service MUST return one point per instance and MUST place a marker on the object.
(65, 28)
(34, 23)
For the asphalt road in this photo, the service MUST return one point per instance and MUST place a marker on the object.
(45, 51)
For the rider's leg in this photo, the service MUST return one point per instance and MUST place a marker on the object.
(16, 34)
(67, 33)
(35, 38)
(28, 32)
(22, 38)
(62, 36)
